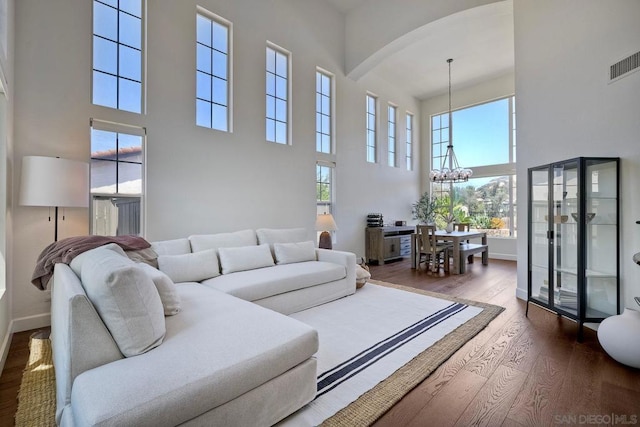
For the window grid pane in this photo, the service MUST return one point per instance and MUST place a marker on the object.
(484, 133)
(324, 197)
(212, 67)
(117, 55)
(371, 128)
(409, 142)
(391, 127)
(277, 88)
(323, 112)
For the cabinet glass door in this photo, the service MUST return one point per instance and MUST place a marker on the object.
(601, 239)
(565, 236)
(538, 240)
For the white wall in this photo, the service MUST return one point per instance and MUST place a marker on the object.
(199, 180)
(500, 87)
(566, 108)
(6, 152)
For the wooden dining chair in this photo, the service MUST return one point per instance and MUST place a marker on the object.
(461, 226)
(434, 253)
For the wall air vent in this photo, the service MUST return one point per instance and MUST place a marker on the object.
(624, 67)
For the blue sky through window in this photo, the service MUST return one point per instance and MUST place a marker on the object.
(481, 134)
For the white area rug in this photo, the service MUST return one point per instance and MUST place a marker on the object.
(366, 338)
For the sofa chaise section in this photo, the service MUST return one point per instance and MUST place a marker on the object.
(221, 361)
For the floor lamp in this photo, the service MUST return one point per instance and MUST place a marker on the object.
(54, 182)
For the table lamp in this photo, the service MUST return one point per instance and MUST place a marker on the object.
(325, 223)
(54, 182)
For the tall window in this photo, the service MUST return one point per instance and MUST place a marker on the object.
(277, 86)
(212, 71)
(484, 140)
(116, 179)
(371, 114)
(324, 189)
(324, 123)
(409, 142)
(391, 134)
(117, 54)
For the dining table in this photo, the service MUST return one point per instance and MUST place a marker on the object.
(456, 238)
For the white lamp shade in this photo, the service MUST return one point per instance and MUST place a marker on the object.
(52, 181)
(325, 222)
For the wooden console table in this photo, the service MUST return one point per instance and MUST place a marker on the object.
(387, 243)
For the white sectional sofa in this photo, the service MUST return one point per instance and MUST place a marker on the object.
(200, 341)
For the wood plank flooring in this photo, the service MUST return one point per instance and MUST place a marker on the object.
(518, 371)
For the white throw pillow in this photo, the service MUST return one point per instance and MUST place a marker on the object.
(126, 299)
(202, 242)
(166, 289)
(172, 247)
(192, 267)
(78, 260)
(245, 258)
(288, 253)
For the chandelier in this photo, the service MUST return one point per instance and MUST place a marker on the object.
(450, 170)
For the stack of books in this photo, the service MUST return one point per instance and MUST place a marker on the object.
(568, 298)
(374, 220)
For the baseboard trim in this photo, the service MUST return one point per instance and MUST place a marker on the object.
(506, 257)
(31, 322)
(521, 294)
(6, 343)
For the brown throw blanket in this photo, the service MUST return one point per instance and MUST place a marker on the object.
(66, 249)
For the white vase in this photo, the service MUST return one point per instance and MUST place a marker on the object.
(620, 337)
(449, 227)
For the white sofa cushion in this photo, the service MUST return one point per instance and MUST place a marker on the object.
(166, 289)
(287, 253)
(172, 247)
(216, 349)
(202, 242)
(245, 258)
(126, 299)
(253, 285)
(191, 267)
(78, 260)
(281, 235)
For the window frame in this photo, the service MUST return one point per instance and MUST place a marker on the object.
(507, 170)
(288, 132)
(392, 135)
(118, 45)
(371, 133)
(121, 128)
(330, 205)
(216, 19)
(330, 116)
(409, 130)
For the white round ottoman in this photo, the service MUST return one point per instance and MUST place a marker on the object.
(620, 337)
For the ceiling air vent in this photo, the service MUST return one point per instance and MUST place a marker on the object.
(623, 68)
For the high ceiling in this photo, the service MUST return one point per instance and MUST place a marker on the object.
(480, 41)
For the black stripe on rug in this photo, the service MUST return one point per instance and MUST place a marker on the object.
(329, 380)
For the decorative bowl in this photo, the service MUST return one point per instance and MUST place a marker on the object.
(590, 216)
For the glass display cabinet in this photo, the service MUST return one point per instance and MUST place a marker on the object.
(574, 238)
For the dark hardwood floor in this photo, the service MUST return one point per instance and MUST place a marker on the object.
(518, 371)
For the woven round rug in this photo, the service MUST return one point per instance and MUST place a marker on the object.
(37, 394)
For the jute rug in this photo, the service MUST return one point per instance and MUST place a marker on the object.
(37, 393)
(459, 321)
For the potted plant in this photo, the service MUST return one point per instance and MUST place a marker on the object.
(449, 219)
(426, 208)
